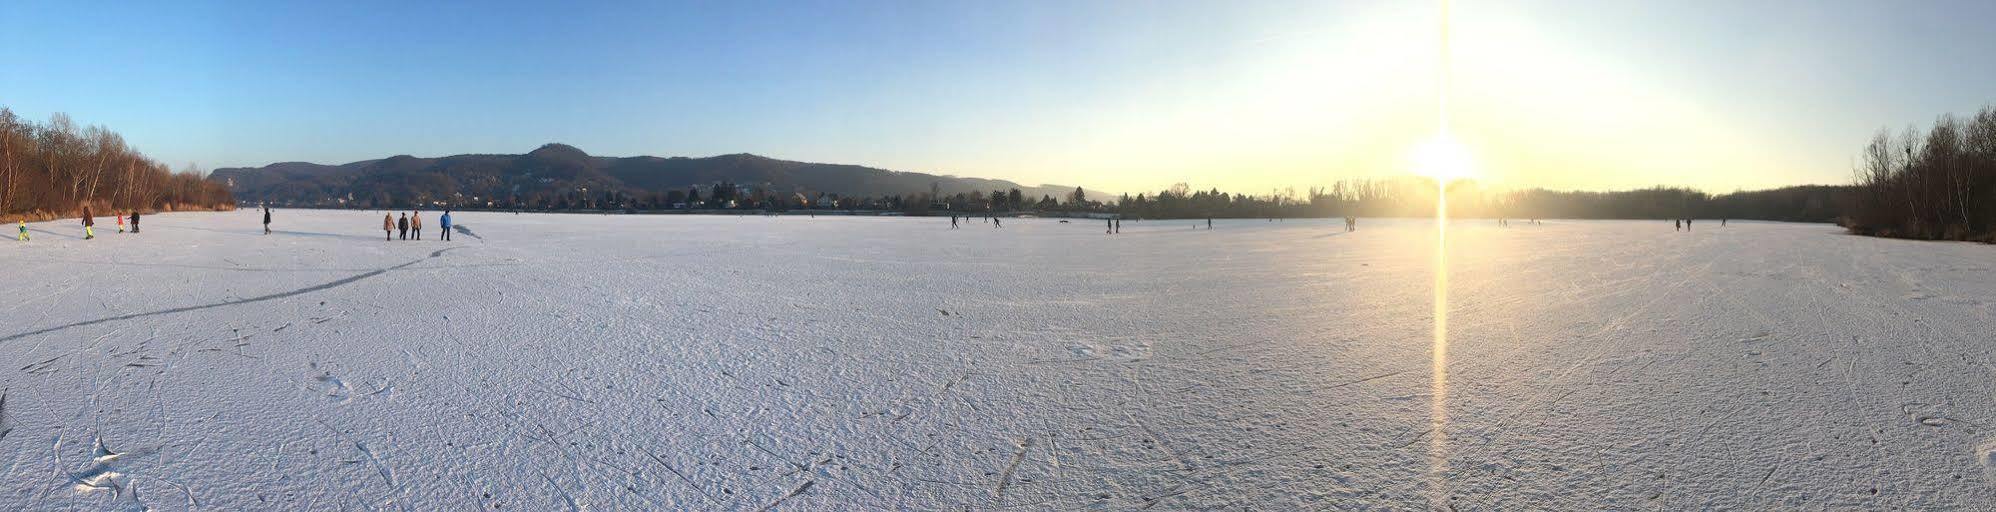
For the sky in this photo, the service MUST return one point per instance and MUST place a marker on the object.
(1122, 96)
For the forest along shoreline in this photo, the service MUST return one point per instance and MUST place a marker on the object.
(56, 170)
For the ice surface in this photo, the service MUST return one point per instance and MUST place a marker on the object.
(793, 363)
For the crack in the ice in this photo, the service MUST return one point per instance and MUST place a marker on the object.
(274, 296)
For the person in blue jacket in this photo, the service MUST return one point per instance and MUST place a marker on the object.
(445, 221)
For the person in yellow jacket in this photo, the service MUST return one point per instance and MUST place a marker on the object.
(23, 237)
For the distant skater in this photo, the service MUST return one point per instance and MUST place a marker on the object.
(997, 223)
(121, 221)
(1687, 225)
(1722, 222)
(88, 233)
(402, 225)
(1209, 223)
(416, 225)
(1676, 224)
(135, 222)
(445, 222)
(388, 227)
(23, 237)
(1119, 226)
(952, 222)
(266, 219)
(1108, 226)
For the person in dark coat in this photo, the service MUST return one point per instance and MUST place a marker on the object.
(403, 225)
(135, 222)
(266, 219)
(88, 222)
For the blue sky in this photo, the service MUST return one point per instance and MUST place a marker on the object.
(1120, 96)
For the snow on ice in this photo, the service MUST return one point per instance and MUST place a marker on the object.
(558, 362)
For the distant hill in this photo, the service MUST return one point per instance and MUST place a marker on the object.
(559, 170)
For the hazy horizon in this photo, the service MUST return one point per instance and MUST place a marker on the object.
(1124, 97)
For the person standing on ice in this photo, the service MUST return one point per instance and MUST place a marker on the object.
(445, 222)
(135, 222)
(388, 227)
(88, 233)
(952, 222)
(121, 221)
(1108, 226)
(403, 225)
(266, 219)
(1676, 224)
(23, 237)
(996, 224)
(416, 225)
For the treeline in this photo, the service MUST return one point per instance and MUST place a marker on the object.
(1416, 197)
(1936, 185)
(52, 170)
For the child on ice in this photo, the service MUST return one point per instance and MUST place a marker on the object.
(23, 237)
(121, 221)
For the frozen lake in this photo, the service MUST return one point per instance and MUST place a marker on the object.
(792, 363)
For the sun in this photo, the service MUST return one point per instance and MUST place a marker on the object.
(1442, 159)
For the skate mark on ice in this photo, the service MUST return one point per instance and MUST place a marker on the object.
(1927, 414)
(1985, 454)
(333, 388)
(806, 486)
(107, 471)
(387, 475)
(274, 296)
(1005, 479)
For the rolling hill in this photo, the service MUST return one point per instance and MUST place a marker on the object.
(559, 170)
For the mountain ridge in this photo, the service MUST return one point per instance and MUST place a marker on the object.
(557, 170)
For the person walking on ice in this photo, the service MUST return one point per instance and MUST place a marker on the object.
(445, 222)
(135, 222)
(403, 225)
(23, 237)
(388, 227)
(88, 233)
(416, 225)
(266, 219)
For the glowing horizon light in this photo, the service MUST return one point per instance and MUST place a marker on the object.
(1443, 159)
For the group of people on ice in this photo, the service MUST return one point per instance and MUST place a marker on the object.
(1685, 224)
(411, 225)
(993, 221)
(89, 225)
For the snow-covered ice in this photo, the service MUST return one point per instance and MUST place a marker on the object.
(560, 362)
